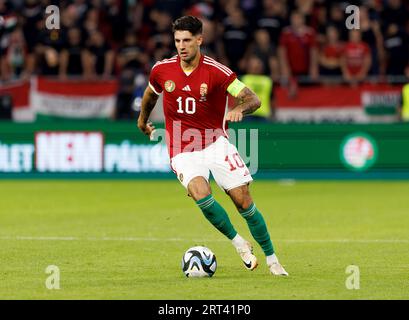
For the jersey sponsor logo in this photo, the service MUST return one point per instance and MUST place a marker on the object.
(169, 86)
(203, 91)
(186, 88)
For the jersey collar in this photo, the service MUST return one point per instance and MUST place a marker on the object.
(194, 70)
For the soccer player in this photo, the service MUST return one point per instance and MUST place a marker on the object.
(195, 91)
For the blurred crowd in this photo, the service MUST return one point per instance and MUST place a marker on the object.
(305, 40)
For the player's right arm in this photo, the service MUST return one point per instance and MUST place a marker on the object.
(149, 100)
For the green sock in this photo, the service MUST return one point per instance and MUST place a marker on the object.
(217, 216)
(258, 228)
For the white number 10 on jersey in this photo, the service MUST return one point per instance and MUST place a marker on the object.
(190, 105)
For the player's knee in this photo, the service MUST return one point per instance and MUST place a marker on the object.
(244, 203)
(198, 195)
(199, 188)
(241, 198)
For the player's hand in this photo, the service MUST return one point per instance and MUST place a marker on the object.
(234, 116)
(146, 127)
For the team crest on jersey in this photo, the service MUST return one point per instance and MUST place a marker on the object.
(169, 86)
(203, 91)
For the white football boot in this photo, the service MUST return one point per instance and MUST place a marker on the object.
(246, 254)
(277, 269)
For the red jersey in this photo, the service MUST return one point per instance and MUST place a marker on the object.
(298, 48)
(333, 51)
(194, 105)
(354, 56)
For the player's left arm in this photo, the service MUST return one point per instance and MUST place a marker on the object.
(248, 101)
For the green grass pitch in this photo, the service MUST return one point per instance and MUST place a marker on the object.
(125, 239)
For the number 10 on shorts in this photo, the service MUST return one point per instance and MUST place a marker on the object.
(237, 161)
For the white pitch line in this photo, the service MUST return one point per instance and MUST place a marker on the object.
(348, 240)
(130, 239)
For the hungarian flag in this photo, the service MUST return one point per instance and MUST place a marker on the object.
(74, 99)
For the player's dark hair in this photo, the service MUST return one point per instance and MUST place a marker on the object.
(188, 23)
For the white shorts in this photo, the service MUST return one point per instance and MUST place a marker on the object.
(221, 158)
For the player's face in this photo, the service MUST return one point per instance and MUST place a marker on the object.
(187, 44)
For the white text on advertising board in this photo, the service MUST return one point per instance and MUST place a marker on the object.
(69, 151)
(16, 157)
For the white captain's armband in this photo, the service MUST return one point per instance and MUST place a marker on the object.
(235, 87)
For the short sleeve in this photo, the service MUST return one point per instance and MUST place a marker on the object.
(227, 80)
(154, 83)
